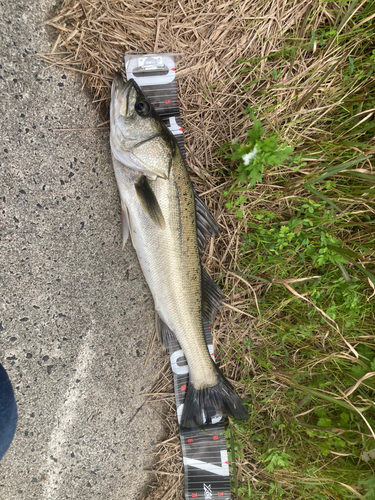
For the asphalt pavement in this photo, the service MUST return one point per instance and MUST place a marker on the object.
(76, 315)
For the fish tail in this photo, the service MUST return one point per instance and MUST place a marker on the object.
(201, 404)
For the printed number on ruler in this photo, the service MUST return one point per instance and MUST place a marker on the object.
(214, 469)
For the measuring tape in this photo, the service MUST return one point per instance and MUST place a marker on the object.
(204, 449)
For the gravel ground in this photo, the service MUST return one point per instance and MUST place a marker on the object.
(76, 313)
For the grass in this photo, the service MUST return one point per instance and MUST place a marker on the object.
(307, 245)
(313, 343)
(296, 251)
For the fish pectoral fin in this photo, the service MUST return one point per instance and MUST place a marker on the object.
(125, 223)
(148, 201)
(164, 333)
(206, 224)
(212, 298)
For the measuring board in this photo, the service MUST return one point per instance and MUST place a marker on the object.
(204, 450)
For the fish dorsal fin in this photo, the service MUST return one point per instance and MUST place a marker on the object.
(164, 333)
(148, 201)
(206, 224)
(212, 298)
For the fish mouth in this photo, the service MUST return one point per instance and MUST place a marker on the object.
(121, 91)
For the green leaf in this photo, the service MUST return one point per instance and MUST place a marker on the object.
(358, 371)
(363, 270)
(335, 169)
(321, 395)
(325, 422)
(369, 484)
(322, 197)
(346, 252)
(256, 132)
(351, 65)
(360, 175)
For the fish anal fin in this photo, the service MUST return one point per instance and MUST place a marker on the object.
(148, 201)
(206, 224)
(164, 333)
(125, 223)
(212, 298)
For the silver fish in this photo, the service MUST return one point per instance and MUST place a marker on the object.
(169, 226)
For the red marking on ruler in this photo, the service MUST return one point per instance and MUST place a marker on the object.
(226, 462)
(177, 100)
(180, 129)
(194, 495)
(215, 438)
(167, 102)
(220, 494)
(190, 440)
(183, 388)
(173, 69)
(212, 354)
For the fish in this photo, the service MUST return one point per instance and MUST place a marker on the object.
(169, 226)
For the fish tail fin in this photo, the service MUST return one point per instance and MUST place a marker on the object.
(200, 404)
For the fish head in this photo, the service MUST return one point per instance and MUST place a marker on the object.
(139, 138)
(133, 119)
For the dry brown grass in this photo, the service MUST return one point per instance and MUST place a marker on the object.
(92, 38)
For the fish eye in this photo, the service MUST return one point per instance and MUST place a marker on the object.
(142, 107)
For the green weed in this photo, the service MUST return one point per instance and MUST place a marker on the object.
(307, 250)
(315, 298)
(257, 153)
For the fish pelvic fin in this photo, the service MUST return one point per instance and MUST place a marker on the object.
(124, 223)
(200, 403)
(164, 333)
